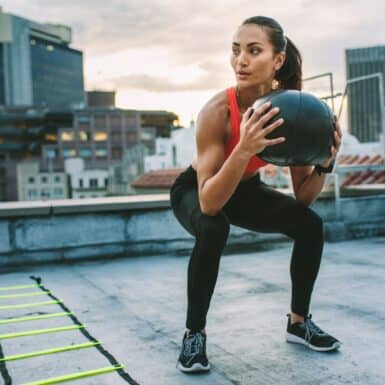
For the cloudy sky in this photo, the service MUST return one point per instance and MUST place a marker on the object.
(174, 54)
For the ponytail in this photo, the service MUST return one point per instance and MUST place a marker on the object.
(290, 74)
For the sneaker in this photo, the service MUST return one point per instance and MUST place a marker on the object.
(193, 356)
(309, 334)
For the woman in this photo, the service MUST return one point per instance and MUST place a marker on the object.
(222, 186)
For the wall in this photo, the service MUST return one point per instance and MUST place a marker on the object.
(41, 231)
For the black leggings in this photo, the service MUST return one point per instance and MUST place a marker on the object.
(256, 206)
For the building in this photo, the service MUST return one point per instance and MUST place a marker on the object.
(37, 65)
(364, 108)
(86, 183)
(36, 185)
(122, 175)
(177, 151)
(100, 136)
(164, 122)
(163, 157)
(23, 131)
(101, 99)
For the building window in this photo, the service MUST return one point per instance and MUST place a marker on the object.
(31, 179)
(84, 136)
(116, 153)
(132, 137)
(50, 153)
(45, 193)
(105, 182)
(174, 155)
(100, 152)
(80, 182)
(57, 179)
(85, 153)
(116, 122)
(67, 136)
(58, 191)
(33, 42)
(130, 121)
(146, 135)
(100, 136)
(44, 179)
(50, 137)
(32, 194)
(100, 121)
(69, 152)
(93, 182)
(83, 119)
(116, 137)
(50, 47)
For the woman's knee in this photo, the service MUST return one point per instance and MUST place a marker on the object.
(214, 225)
(310, 221)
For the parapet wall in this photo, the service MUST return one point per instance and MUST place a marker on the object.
(38, 232)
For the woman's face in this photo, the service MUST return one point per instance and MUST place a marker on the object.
(253, 58)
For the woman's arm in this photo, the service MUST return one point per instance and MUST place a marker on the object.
(218, 178)
(307, 184)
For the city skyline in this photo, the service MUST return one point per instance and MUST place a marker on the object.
(123, 41)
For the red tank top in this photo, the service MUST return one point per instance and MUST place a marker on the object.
(255, 162)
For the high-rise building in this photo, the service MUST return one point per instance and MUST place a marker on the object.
(37, 65)
(364, 108)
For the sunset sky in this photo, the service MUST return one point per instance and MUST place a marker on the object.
(174, 55)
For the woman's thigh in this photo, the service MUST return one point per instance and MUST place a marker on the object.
(259, 207)
(185, 205)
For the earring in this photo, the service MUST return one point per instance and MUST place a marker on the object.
(275, 84)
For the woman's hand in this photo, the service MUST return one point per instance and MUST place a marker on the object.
(252, 131)
(337, 144)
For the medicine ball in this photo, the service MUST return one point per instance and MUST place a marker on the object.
(308, 128)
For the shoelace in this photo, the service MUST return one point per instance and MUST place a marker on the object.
(193, 345)
(311, 328)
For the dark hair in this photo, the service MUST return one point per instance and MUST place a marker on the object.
(290, 74)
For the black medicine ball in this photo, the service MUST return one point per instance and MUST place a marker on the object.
(308, 128)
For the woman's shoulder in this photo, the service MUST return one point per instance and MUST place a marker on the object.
(216, 109)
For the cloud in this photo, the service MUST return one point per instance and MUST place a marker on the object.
(200, 32)
(213, 76)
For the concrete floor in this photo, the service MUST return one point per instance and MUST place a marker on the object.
(136, 306)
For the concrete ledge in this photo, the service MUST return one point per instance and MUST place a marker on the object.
(140, 225)
(71, 206)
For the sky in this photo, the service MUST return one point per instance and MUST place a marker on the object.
(175, 54)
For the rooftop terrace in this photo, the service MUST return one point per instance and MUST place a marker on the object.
(136, 307)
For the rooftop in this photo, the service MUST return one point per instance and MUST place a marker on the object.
(136, 307)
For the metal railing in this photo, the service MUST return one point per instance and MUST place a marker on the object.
(342, 169)
(339, 170)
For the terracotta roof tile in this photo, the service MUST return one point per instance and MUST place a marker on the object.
(158, 178)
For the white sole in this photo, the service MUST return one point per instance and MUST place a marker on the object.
(197, 367)
(298, 340)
